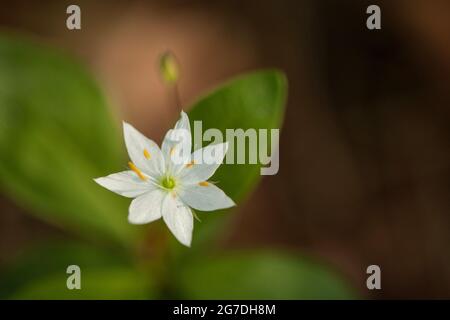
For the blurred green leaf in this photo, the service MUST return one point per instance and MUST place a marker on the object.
(259, 275)
(40, 273)
(56, 135)
(107, 283)
(251, 101)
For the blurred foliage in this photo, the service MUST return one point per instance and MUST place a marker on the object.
(259, 275)
(40, 273)
(57, 133)
(253, 101)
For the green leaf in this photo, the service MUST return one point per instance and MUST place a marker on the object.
(106, 283)
(259, 275)
(56, 135)
(251, 101)
(40, 273)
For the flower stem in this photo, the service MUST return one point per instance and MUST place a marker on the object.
(177, 98)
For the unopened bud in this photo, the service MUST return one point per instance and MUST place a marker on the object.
(168, 67)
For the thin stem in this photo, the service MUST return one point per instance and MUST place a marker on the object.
(177, 97)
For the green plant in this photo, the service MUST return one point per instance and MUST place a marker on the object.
(57, 133)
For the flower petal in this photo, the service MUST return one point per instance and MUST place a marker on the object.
(204, 163)
(143, 152)
(146, 208)
(177, 143)
(125, 183)
(178, 218)
(205, 197)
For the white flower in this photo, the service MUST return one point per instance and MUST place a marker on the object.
(168, 182)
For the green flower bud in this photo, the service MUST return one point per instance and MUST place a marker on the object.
(168, 67)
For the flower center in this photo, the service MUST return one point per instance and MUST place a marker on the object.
(168, 182)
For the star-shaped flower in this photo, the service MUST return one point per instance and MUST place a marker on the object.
(168, 182)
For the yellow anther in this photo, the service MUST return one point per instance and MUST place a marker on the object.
(172, 150)
(147, 154)
(203, 184)
(190, 164)
(137, 171)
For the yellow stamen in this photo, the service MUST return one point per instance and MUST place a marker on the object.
(137, 171)
(190, 164)
(147, 154)
(203, 184)
(172, 150)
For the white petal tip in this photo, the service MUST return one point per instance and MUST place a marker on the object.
(188, 245)
(228, 205)
(139, 218)
(103, 182)
(184, 242)
(136, 222)
(127, 127)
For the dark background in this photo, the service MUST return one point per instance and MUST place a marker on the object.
(365, 172)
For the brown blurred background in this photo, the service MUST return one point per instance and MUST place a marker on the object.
(365, 158)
